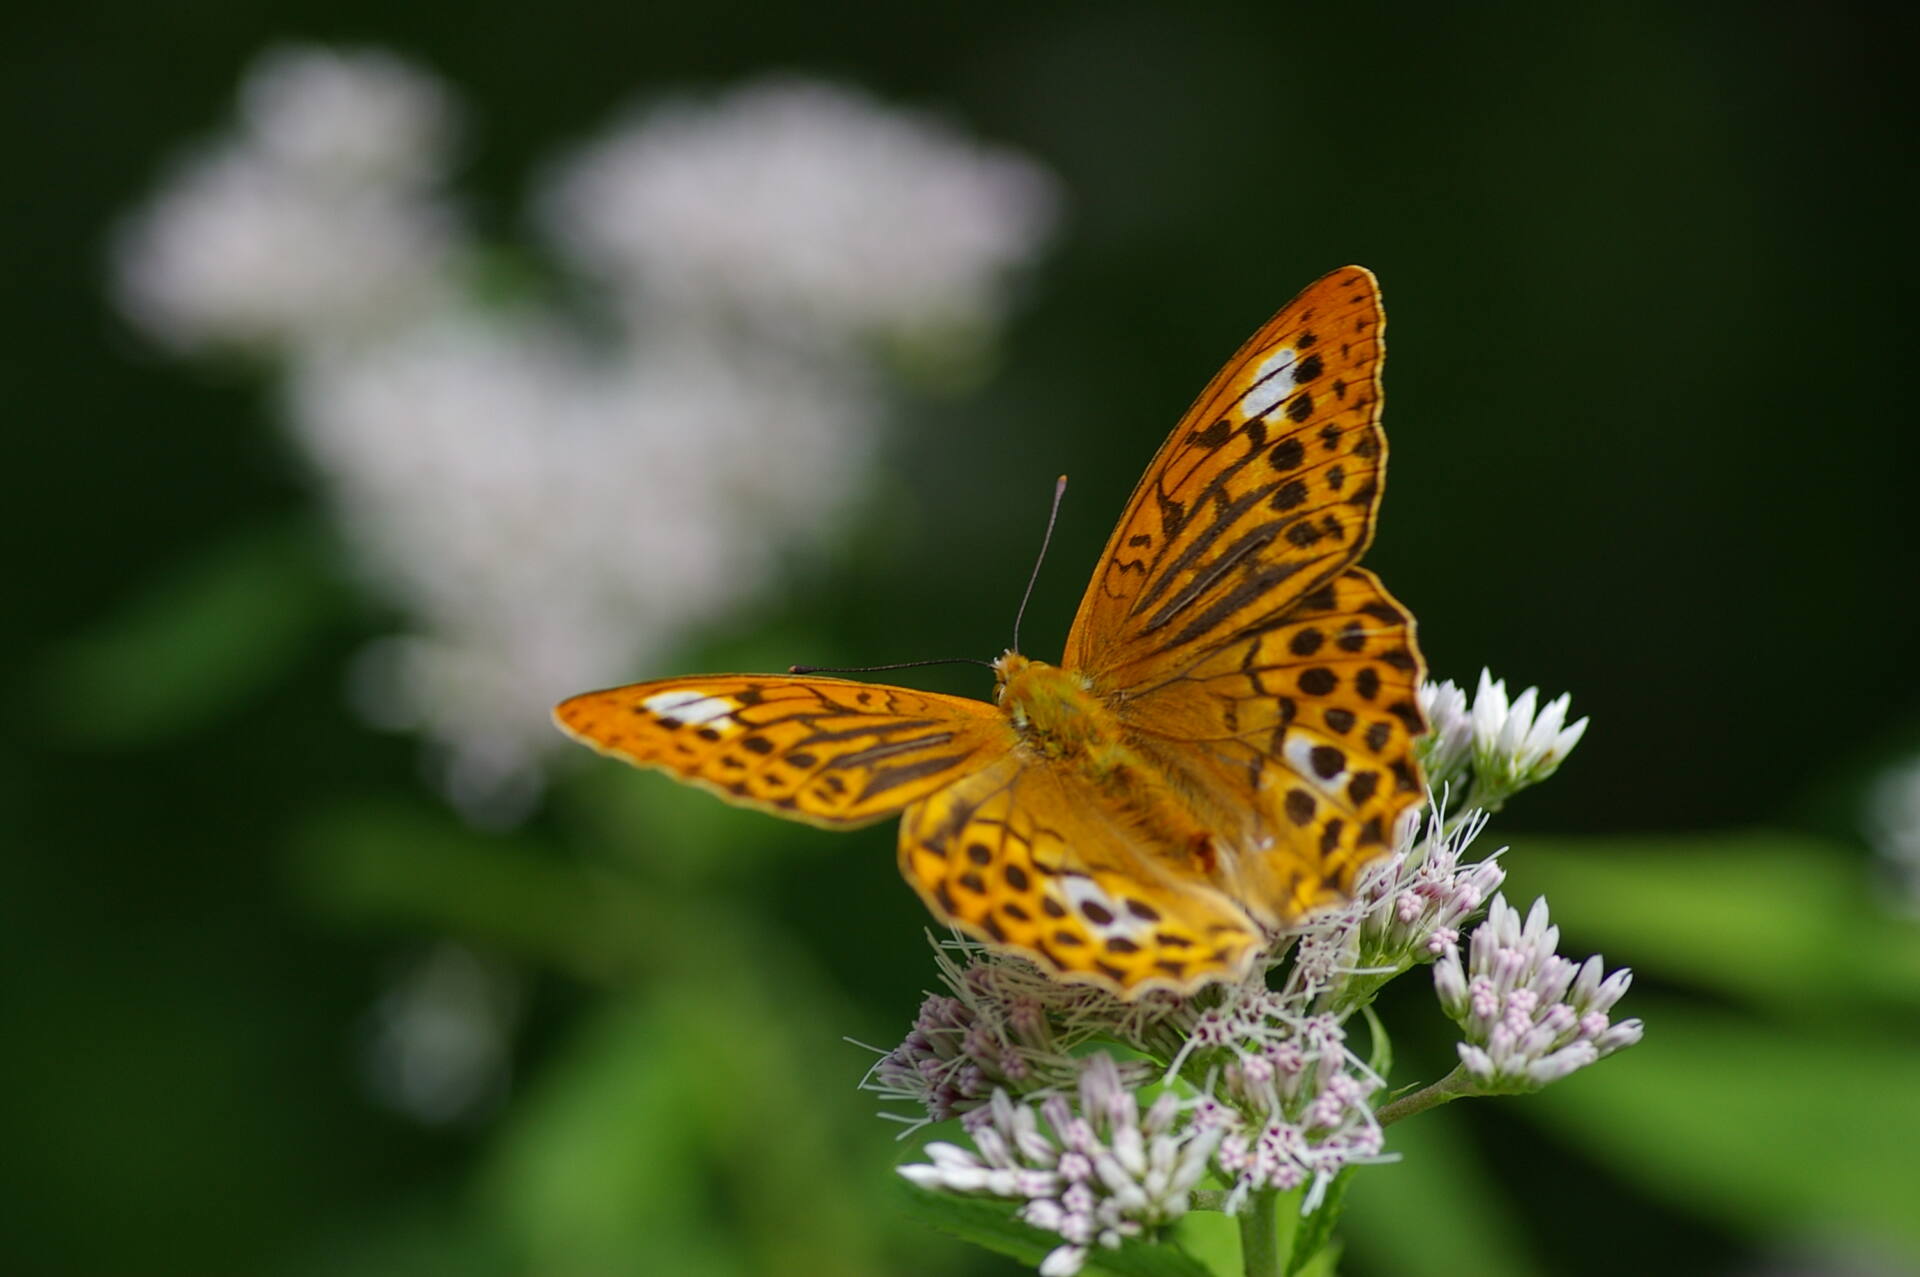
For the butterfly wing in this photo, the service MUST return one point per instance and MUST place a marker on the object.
(1308, 721)
(1270, 681)
(1266, 490)
(1024, 855)
(827, 751)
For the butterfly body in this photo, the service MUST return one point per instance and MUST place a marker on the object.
(1064, 723)
(1056, 712)
(1225, 746)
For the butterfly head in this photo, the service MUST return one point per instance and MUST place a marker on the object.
(1053, 708)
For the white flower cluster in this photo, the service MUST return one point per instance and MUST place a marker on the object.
(551, 507)
(1506, 745)
(320, 216)
(1294, 1101)
(1095, 1171)
(801, 206)
(1274, 1099)
(1531, 1016)
(1003, 1025)
(1407, 909)
(1416, 902)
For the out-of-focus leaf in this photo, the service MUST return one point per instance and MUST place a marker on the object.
(705, 1127)
(670, 830)
(1211, 1238)
(1434, 1212)
(991, 1224)
(195, 643)
(1782, 1133)
(416, 867)
(418, 1235)
(1778, 919)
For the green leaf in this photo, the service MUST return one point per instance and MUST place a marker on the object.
(411, 866)
(1778, 1131)
(1436, 1211)
(661, 1137)
(1380, 1053)
(1212, 1239)
(195, 643)
(990, 1223)
(1779, 920)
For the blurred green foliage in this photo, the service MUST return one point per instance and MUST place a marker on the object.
(1648, 276)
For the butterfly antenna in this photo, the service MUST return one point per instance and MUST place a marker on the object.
(1059, 491)
(874, 669)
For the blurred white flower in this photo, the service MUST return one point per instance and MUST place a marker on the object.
(1893, 827)
(236, 255)
(808, 207)
(348, 116)
(440, 1038)
(554, 512)
(319, 219)
(1530, 1016)
(551, 522)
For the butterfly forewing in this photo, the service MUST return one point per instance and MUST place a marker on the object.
(1266, 489)
(1029, 857)
(1309, 721)
(827, 751)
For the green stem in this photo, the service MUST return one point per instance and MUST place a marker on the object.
(1260, 1235)
(1453, 1086)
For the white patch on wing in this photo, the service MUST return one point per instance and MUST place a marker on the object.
(690, 706)
(1272, 382)
(1082, 891)
(1298, 752)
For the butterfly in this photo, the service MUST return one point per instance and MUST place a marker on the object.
(1226, 743)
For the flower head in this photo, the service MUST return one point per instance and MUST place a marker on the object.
(319, 218)
(1530, 1016)
(1002, 1025)
(1447, 748)
(1088, 1164)
(805, 206)
(1413, 905)
(1517, 743)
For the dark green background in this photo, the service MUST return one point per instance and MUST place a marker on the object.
(1649, 275)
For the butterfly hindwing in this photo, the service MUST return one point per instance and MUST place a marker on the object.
(1267, 489)
(1310, 722)
(1032, 859)
(826, 751)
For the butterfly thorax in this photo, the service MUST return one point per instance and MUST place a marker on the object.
(1060, 717)
(1057, 713)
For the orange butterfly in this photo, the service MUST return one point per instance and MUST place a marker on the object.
(1226, 743)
